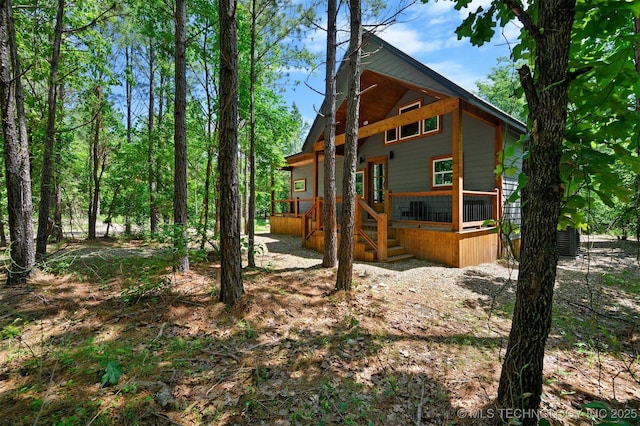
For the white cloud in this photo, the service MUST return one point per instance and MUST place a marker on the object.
(457, 72)
(410, 40)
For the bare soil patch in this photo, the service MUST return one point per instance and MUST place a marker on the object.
(415, 342)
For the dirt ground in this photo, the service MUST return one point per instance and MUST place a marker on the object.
(107, 334)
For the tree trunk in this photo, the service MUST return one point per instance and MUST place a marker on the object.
(521, 379)
(180, 142)
(345, 265)
(57, 189)
(330, 255)
(153, 209)
(204, 214)
(96, 154)
(231, 286)
(16, 152)
(250, 217)
(636, 27)
(49, 138)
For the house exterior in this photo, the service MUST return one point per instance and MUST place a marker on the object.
(427, 151)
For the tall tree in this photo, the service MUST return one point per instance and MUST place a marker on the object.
(50, 136)
(16, 152)
(330, 255)
(251, 200)
(151, 177)
(547, 27)
(231, 286)
(345, 264)
(181, 261)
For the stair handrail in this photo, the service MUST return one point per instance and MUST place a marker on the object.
(380, 246)
(306, 233)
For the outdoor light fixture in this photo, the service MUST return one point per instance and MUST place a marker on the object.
(391, 155)
(361, 160)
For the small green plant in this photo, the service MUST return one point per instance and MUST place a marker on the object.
(112, 373)
(12, 330)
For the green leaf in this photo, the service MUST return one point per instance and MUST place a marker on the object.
(111, 374)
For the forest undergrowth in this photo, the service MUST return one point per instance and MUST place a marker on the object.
(105, 333)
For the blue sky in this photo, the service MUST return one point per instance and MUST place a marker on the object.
(423, 31)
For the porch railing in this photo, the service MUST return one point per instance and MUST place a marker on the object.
(380, 245)
(290, 206)
(435, 207)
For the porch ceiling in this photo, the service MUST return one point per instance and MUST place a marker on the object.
(379, 94)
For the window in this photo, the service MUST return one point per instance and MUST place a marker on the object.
(391, 136)
(409, 130)
(431, 125)
(299, 185)
(442, 171)
(360, 183)
(412, 130)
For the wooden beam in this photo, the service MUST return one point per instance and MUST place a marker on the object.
(435, 108)
(457, 196)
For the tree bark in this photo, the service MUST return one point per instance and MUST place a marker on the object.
(231, 286)
(636, 28)
(16, 152)
(97, 166)
(345, 264)
(251, 200)
(180, 142)
(521, 379)
(153, 209)
(49, 138)
(330, 255)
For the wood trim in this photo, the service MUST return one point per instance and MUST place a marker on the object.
(369, 175)
(435, 108)
(457, 215)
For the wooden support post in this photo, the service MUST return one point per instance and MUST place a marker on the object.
(382, 237)
(296, 206)
(387, 203)
(457, 216)
(318, 213)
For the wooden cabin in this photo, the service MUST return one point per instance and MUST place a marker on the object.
(427, 152)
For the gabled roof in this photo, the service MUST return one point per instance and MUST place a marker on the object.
(387, 75)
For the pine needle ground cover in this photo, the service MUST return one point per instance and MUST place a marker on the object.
(108, 334)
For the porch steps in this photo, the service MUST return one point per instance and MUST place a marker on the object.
(395, 252)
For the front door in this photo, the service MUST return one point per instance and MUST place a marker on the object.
(377, 172)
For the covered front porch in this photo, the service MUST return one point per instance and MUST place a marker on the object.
(429, 225)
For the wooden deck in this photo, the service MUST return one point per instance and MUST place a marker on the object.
(435, 244)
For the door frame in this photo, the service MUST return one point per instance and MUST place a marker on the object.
(369, 176)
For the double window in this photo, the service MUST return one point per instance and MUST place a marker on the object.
(412, 130)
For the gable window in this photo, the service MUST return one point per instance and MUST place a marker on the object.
(431, 125)
(412, 130)
(441, 172)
